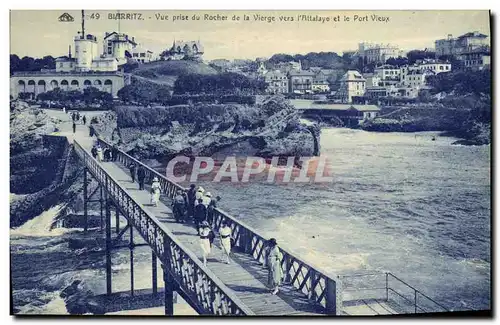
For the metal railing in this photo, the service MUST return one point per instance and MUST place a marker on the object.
(315, 283)
(386, 286)
(202, 287)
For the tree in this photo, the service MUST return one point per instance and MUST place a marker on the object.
(415, 55)
(397, 62)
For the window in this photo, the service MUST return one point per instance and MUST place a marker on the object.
(134, 55)
(142, 55)
(441, 68)
(60, 65)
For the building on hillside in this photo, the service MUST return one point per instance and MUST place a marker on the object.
(261, 69)
(300, 82)
(462, 44)
(388, 74)
(37, 82)
(346, 112)
(476, 59)
(142, 55)
(372, 79)
(432, 65)
(180, 50)
(287, 67)
(119, 46)
(85, 69)
(378, 53)
(351, 84)
(320, 86)
(277, 82)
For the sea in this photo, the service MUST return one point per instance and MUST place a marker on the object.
(411, 204)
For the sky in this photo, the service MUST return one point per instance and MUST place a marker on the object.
(38, 33)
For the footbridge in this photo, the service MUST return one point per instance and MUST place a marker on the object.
(217, 289)
(238, 288)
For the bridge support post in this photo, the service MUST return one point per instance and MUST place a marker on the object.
(108, 247)
(131, 246)
(117, 220)
(169, 292)
(101, 201)
(333, 296)
(154, 272)
(85, 200)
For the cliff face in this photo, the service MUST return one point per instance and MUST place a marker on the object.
(38, 163)
(270, 129)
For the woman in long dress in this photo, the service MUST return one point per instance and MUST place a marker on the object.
(274, 258)
(155, 191)
(199, 195)
(225, 240)
(205, 241)
(100, 154)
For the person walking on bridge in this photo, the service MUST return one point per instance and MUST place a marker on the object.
(191, 198)
(131, 169)
(114, 153)
(141, 175)
(100, 154)
(94, 152)
(84, 120)
(275, 273)
(74, 127)
(155, 191)
(225, 240)
(178, 205)
(200, 214)
(204, 232)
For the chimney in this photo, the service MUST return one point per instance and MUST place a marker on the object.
(69, 52)
(450, 37)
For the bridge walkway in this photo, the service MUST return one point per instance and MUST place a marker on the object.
(245, 276)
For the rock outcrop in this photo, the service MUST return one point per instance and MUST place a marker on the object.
(272, 128)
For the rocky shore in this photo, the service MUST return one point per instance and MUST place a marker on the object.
(272, 128)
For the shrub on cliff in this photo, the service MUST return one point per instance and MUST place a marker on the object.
(229, 82)
(145, 92)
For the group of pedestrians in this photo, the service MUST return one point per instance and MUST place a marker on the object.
(104, 155)
(139, 173)
(197, 205)
(75, 117)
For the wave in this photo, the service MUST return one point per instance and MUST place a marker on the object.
(41, 226)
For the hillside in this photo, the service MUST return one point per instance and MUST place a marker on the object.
(166, 72)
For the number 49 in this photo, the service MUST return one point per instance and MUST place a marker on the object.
(95, 16)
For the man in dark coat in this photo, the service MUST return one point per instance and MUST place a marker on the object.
(74, 127)
(141, 174)
(200, 214)
(131, 168)
(107, 154)
(94, 152)
(210, 210)
(91, 131)
(178, 207)
(114, 153)
(191, 197)
(84, 120)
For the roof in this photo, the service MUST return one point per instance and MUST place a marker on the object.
(120, 35)
(386, 66)
(309, 104)
(275, 73)
(299, 73)
(353, 75)
(64, 59)
(473, 34)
